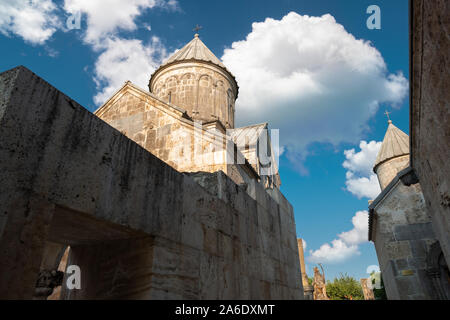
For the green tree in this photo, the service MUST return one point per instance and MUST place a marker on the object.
(344, 288)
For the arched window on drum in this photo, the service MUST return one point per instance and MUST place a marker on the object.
(220, 103)
(187, 92)
(230, 107)
(171, 85)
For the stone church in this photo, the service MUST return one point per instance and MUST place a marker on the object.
(155, 196)
(409, 222)
(401, 228)
(187, 118)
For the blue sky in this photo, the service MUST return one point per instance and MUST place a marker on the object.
(317, 125)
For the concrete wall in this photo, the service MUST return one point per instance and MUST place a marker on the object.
(403, 236)
(430, 110)
(136, 227)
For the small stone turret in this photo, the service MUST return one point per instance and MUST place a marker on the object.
(197, 81)
(393, 156)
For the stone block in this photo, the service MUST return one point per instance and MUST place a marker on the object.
(192, 233)
(398, 250)
(406, 286)
(414, 231)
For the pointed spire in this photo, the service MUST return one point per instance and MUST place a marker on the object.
(395, 144)
(195, 50)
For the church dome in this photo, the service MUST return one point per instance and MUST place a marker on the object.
(393, 155)
(194, 79)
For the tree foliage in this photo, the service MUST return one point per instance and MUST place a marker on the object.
(344, 288)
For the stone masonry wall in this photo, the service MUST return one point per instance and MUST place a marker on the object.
(203, 90)
(403, 237)
(165, 132)
(387, 171)
(137, 228)
(430, 110)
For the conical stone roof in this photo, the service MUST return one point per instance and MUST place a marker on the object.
(395, 144)
(194, 50)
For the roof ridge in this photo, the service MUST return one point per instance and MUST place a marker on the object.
(253, 125)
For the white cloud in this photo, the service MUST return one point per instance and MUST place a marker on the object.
(120, 59)
(363, 187)
(338, 251)
(360, 230)
(106, 18)
(361, 181)
(125, 60)
(362, 162)
(311, 79)
(170, 5)
(35, 21)
(304, 244)
(346, 245)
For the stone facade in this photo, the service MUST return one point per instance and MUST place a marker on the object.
(409, 222)
(167, 132)
(401, 227)
(403, 236)
(430, 111)
(189, 129)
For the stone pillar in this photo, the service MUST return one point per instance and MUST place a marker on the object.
(308, 289)
(302, 262)
(367, 291)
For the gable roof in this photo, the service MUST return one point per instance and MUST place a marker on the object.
(249, 137)
(132, 88)
(251, 133)
(395, 144)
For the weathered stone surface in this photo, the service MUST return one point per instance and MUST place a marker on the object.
(414, 231)
(169, 133)
(129, 218)
(403, 234)
(308, 289)
(367, 291)
(197, 81)
(430, 110)
(387, 171)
